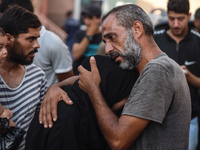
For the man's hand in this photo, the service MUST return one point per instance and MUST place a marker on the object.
(48, 108)
(88, 81)
(11, 123)
(186, 71)
(93, 28)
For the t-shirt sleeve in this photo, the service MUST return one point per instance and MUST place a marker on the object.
(60, 57)
(79, 35)
(152, 94)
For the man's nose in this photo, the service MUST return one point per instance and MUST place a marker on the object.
(36, 44)
(108, 48)
(176, 22)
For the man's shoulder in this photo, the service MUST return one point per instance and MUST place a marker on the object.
(159, 32)
(164, 62)
(195, 34)
(33, 69)
(49, 36)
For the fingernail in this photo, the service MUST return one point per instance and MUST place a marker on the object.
(45, 126)
(70, 101)
(92, 57)
(50, 126)
(40, 122)
(54, 119)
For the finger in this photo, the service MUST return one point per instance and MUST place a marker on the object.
(81, 69)
(40, 114)
(44, 114)
(49, 106)
(66, 99)
(93, 64)
(10, 115)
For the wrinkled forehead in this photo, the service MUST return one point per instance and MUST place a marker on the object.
(110, 24)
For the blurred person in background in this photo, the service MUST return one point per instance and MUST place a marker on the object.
(183, 45)
(71, 25)
(197, 20)
(53, 56)
(86, 42)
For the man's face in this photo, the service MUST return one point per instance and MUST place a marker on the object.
(120, 44)
(91, 20)
(24, 47)
(178, 23)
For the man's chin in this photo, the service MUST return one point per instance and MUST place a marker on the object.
(177, 33)
(27, 62)
(126, 66)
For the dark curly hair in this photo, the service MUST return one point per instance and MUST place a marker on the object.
(16, 20)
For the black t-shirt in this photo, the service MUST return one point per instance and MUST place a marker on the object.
(90, 50)
(186, 52)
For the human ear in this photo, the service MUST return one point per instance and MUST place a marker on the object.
(137, 29)
(10, 38)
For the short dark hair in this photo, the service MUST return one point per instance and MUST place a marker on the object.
(92, 10)
(128, 14)
(197, 14)
(16, 20)
(178, 6)
(27, 4)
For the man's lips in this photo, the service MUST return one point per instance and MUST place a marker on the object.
(176, 29)
(33, 51)
(114, 57)
(31, 55)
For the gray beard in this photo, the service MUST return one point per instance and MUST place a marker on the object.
(133, 52)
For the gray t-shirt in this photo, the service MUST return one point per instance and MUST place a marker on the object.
(161, 95)
(53, 56)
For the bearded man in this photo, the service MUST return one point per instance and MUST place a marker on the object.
(22, 85)
(158, 109)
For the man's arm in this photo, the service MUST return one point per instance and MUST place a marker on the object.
(63, 76)
(79, 48)
(121, 132)
(53, 95)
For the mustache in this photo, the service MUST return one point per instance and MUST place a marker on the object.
(33, 51)
(115, 54)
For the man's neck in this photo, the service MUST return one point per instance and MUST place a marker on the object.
(12, 73)
(149, 52)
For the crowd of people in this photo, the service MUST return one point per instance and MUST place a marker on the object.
(71, 95)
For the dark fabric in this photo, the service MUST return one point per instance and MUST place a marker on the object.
(10, 137)
(77, 127)
(80, 34)
(187, 50)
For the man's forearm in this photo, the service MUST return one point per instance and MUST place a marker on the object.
(108, 121)
(79, 48)
(68, 81)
